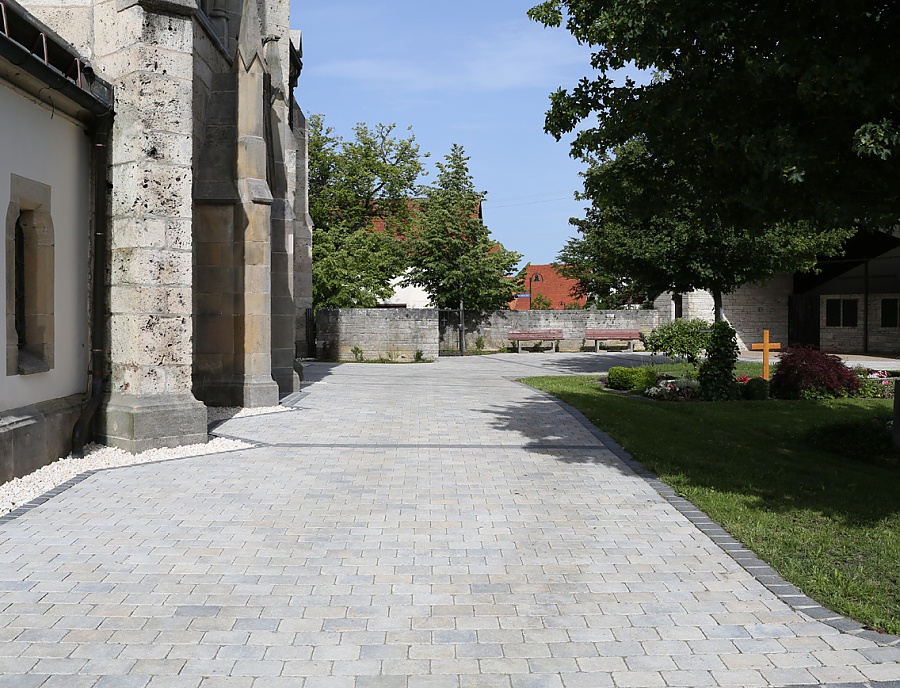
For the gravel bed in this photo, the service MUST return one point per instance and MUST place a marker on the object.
(19, 491)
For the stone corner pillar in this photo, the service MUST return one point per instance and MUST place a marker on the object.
(282, 185)
(253, 222)
(150, 403)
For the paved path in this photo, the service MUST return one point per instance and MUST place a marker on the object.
(407, 526)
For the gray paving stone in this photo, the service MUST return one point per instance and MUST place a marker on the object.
(425, 526)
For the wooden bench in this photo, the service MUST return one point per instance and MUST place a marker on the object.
(630, 336)
(519, 336)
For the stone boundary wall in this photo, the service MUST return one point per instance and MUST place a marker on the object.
(379, 332)
(494, 326)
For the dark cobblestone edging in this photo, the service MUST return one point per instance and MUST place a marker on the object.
(788, 593)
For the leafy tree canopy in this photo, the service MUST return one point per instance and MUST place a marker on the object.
(451, 254)
(772, 111)
(677, 250)
(353, 185)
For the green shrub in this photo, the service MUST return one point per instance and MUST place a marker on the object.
(679, 338)
(358, 354)
(479, 343)
(717, 371)
(631, 378)
(420, 356)
(755, 389)
(620, 378)
(644, 377)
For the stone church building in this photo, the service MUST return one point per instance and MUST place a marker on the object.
(158, 242)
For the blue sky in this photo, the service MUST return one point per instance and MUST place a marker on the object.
(474, 73)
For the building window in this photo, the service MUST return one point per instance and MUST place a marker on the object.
(889, 312)
(841, 312)
(29, 279)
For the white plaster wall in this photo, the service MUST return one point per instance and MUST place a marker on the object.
(54, 151)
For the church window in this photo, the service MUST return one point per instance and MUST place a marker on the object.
(889, 313)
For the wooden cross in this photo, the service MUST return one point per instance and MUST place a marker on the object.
(765, 347)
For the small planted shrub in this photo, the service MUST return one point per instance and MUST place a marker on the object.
(716, 375)
(755, 389)
(631, 378)
(805, 372)
(479, 343)
(420, 356)
(358, 354)
(644, 377)
(679, 338)
(620, 378)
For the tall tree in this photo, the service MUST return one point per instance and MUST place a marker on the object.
(451, 254)
(355, 187)
(772, 111)
(679, 250)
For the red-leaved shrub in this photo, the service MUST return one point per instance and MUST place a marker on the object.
(804, 371)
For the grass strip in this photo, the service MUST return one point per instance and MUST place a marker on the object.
(830, 525)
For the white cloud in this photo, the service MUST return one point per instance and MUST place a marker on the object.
(510, 57)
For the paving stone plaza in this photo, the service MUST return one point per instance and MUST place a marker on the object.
(403, 526)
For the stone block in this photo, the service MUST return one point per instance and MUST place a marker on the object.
(251, 158)
(151, 339)
(138, 299)
(131, 232)
(151, 267)
(178, 301)
(215, 224)
(147, 188)
(257, 281)
(71, 20)
(212, 279)
(214, 334)
(138, 423)
(136, 144)
(169, 32)
(154, 103)
(114, 31)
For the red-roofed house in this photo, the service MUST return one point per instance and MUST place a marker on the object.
(545, 280)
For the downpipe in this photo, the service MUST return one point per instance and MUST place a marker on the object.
(98, 309)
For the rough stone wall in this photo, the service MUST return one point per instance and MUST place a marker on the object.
(494, 326)
(757, 307)
(882, 340)
(379, 332)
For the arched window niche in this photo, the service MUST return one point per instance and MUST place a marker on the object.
(29, 278)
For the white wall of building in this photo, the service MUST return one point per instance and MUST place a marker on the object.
(49, 148)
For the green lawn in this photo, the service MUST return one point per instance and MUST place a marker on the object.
(830, 525)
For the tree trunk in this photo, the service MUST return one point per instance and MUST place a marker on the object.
(717, 306)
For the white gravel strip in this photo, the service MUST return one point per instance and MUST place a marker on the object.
(217, 413)
(19, 491)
